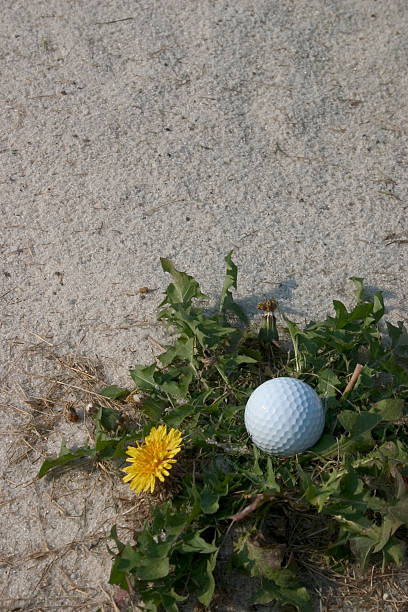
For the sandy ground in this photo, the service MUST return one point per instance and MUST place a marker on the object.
(131, 130)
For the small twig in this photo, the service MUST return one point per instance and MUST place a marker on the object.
(353, 379)
(113, 602)
(114, 21)
(261, 497)
(39, 337)
(156, 344)
(64, 384)
(392, 195)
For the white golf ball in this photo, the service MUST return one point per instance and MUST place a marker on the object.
(284, 416)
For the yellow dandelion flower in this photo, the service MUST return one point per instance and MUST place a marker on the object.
(152, 459)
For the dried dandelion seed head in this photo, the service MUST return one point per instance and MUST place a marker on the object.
(270, 305)
(152, 459)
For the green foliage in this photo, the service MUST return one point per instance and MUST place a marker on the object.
(355, 478)
(227, 300)
(114, 392)
(65, 456)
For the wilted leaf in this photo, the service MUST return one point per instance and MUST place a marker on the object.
(267, 558)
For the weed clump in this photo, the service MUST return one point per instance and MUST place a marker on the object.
(344, 500)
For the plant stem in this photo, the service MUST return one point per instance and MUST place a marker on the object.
(353, 379)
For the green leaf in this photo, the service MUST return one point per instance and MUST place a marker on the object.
(358, 423)
(388, 527)
(365, 422)
(143, 566)
(178, 415)
(183, 289)
(395, 450)
(359, 288)
(230, 280)
(120, 446)
(153, 569)
(341, 313)
(143, 376)
(399, 512)
(256, 467)
(328, 383)
(169, 599)
(267, 558)
(129, 559)
(297, 597)
(114, 392)
(208, 501)
(238, 359)
(348, 419)
(197, 544)
(152, 599)
(114, 536)
(361, 311)
(378, 309)
(119, 576)
(350, 482)
(206, 580)
(362, 547)
(399, 338)
(271, 483)
(154, 408)
(389, 409)
(326, 444)
(182, 350)
(394, 551)
(177, 386)
(65, 457)
(108, 418)
(176, 522)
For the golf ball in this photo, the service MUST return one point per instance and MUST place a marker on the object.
(284, 416)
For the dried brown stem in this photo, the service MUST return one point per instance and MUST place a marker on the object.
(353, 379)
(155, 343)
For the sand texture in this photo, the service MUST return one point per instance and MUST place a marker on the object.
(135, 129)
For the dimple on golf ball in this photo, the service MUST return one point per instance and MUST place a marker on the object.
(284, 416)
